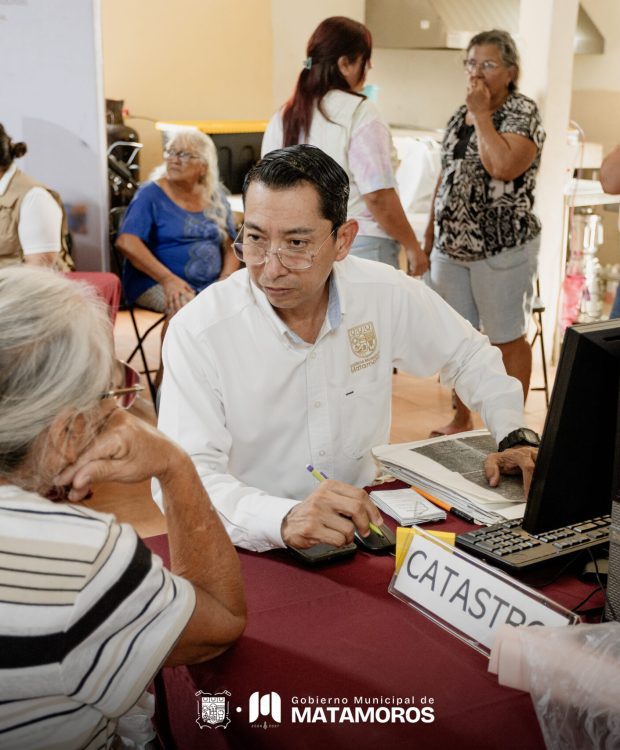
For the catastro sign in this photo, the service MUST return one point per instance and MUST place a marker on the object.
(469, 598)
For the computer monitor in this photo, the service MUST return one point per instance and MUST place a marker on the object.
(577, 471)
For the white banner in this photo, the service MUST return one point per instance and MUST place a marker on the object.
(51, 94)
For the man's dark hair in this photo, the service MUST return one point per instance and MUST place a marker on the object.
(291, 166)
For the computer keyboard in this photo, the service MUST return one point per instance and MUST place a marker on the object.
(508, 546)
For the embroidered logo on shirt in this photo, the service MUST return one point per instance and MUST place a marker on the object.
(363, 340)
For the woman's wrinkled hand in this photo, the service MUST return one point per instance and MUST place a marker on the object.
(417, 262)
(477, 97)
(177, 293)
(125, 449)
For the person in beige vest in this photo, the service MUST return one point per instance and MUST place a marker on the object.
(32, 221)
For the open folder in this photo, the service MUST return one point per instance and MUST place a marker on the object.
(451, 469)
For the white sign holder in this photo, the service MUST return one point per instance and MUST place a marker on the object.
(467, 597)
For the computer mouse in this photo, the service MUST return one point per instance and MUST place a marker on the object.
(375, 542)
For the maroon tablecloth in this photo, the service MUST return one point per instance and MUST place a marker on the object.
(335, 632)
(108, 287)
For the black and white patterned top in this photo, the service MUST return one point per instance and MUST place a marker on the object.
(476, 215)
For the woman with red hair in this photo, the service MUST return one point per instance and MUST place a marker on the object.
(329, 110)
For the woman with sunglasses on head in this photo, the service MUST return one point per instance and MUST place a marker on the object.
(178, 229)
(328, 109)
(482, 232)
(87, 614)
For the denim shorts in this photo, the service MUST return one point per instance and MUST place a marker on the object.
(153, 299)
(382, 249)
(494, 294)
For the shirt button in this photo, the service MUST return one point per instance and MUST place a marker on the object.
(321, 453)
(317, 404)
(313, 355)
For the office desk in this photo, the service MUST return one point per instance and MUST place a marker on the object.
(336, 632)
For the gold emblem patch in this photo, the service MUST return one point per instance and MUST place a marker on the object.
(363, 340)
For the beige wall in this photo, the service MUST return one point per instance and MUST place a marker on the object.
(419, 88)
(596, 79)
(187, 60)
(293, 23)
(596, 103)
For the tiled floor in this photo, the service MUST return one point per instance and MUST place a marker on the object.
(418, 406)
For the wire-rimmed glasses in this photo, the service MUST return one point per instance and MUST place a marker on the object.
(126, 382)
(486, 66)
(182, 156)
(296, 255)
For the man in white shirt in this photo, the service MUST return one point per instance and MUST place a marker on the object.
(289, 362)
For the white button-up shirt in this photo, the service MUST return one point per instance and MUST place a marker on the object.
(253, 404)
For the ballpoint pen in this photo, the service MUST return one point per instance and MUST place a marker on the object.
(321, 477)
(444, 505)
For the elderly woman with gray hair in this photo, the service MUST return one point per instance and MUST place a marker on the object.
(87, 615)
(178, 230)
(483, 232)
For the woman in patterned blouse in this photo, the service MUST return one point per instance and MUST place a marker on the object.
(482, 232)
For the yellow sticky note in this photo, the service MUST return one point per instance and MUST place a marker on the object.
(404, 535)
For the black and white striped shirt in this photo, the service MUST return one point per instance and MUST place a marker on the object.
(87, 616)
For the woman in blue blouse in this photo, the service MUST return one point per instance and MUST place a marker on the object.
(178, 230)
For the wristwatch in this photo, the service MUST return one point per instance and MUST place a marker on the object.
(522, 436)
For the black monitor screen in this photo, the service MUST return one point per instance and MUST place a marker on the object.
(576, 473)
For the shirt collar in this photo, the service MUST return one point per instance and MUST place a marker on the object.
(333, 316)
(6, 178)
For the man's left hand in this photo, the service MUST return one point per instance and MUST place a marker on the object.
(512, 461)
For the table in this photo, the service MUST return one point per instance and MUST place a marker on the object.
(336, 632)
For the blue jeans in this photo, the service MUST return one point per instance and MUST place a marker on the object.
(382, 249)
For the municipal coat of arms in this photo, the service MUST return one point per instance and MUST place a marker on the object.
(363, 340)
(213, 709)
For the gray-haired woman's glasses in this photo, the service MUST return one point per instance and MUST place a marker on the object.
(126, 382)
(182, 156)
(486, 66)
(297, 254)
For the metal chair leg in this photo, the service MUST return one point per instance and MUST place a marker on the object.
(140, 338)
(537, 313)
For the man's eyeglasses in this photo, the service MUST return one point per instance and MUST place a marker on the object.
(297, 254)
(126, 385)
(486, 66)
(183, 156)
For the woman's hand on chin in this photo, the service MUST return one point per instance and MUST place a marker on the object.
(126, 450)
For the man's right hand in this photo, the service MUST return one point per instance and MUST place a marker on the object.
(330, 515)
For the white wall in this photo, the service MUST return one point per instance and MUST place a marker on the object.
(601, 71)
(596, 103)
(547, 31)
(52, 96)
(419, 88)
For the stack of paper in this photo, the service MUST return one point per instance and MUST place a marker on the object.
(407, 506)
(451, 468)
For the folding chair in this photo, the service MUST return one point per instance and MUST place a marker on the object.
(116, 218)
(538, 309)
